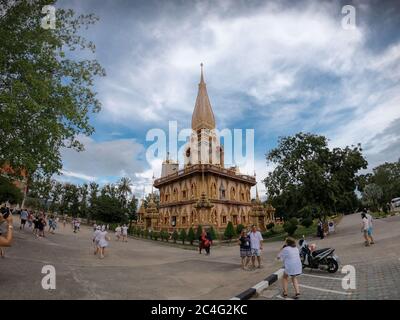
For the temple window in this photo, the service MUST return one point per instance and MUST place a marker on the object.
(173, 221)
(183, 220)
(193, 190)
(233, 194)
(184, 194)
(235, 220)
(224, 219)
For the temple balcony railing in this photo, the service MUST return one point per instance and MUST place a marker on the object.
(199, 168)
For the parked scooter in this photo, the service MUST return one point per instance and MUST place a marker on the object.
(322, 259)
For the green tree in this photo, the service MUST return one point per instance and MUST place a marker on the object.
(307, 222)
(108, 209)
(229, 231)
(387, 177)
(372, 196)
(183, 236)
(290, 227)
(191, 235)
(308, 173)
(270, 226)
(44, 84)
(9, 192)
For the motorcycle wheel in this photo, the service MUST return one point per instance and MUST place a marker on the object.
(333, 266)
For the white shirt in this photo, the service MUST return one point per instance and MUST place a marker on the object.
(291, 260)
(255, 238)
(96, 235)
(124, 230)
(365, 223)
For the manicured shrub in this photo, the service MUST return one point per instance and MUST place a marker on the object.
(183, 236)
(198, 231)
(191, 236)
(156, 235)
(270, 226)
(213, 234)
(229, 231)
(290, 228)
(175, 236)
(307, 222)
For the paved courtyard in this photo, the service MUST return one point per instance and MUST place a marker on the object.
(144, 269)
(139, 269)
(377, 267)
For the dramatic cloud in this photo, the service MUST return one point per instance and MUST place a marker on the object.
(277, 67)
(122, 157)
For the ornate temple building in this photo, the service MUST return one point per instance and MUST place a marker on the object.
(203, 192)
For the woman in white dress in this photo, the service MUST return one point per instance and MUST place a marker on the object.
(124, 233)
(103, 241)
(290, 256)
(96, 239)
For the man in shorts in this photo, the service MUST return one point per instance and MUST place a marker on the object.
(256, 244)
(24, 217)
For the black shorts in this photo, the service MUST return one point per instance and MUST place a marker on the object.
(23, 221)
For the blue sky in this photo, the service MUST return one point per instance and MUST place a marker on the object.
(276, 67)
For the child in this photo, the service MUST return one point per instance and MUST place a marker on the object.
(292, 264)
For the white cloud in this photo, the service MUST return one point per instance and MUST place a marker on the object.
(305, 71)
(101, 159)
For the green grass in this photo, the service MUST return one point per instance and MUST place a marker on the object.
(280, 235)
(381, 214)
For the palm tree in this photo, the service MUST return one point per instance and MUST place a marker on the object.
(124, 188)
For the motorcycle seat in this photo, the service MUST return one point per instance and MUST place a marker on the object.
(317, 252)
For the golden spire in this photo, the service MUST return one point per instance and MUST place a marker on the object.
(203, 116)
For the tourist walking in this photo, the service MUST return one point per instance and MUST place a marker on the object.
(245, 249)
(365, 228)
(205, 241)
(256, 244)
(320, 229)
(118, 231)
(103, 241)
(96, 239)
(30, 219)
(24, 217)
(124, 233)
(41, 225)
(370, 230)
(52, 224)
(290, 257)
(36, 226)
